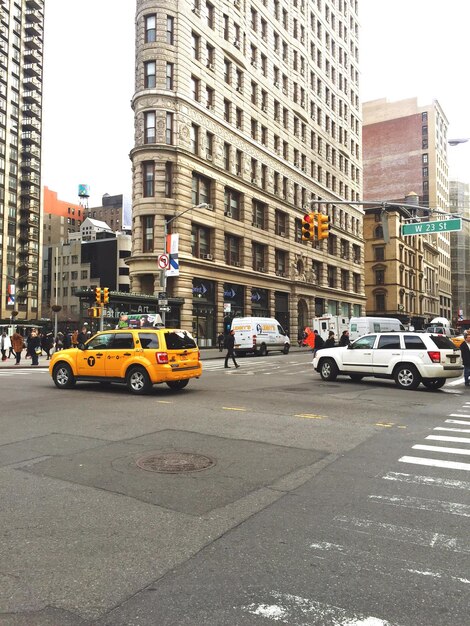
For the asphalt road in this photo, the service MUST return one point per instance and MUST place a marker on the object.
(327, 503)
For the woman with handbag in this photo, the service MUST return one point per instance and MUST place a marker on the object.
(34, 347)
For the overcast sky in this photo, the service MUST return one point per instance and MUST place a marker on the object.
(408, 48)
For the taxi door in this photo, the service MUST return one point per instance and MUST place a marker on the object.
(91, 361)
(120, 351)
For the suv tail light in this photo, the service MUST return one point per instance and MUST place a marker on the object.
(254, 340)
(435, 356)
(162, 357)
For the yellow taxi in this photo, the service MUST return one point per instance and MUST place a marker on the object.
(138, 358)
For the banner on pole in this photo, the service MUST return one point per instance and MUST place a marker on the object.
(11, 295)
(172, 249)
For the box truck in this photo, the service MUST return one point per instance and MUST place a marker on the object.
(336, 323)
(359, 326)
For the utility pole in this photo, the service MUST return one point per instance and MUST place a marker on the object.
(163, 276)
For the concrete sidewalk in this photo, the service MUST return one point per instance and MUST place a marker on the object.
(206, 353)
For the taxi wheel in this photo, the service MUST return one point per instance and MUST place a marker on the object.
(138, 381)
(62, 376)
(177, 384)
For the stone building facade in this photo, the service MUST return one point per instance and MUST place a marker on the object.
(251, 108)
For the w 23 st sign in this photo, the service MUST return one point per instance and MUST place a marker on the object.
(428, 228)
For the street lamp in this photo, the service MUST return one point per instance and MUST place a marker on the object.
(163, 281)
(55, 308)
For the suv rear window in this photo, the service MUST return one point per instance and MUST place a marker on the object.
(414, 342)
(443, 342)
(179, 340)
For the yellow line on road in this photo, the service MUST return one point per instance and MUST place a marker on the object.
(311, 416)
(233, 408)
(164, 402)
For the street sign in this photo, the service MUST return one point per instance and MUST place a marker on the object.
(166, 309)
(428, 228)
(163, 261)
(162, 295)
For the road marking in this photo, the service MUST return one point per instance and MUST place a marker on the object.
(427, 480)
(233, 408)
(442, 449)
(444, 438)
(404, 534)
(385, 424)
(454, 430)
(293, 610)
(311, 416)
(416, 460)
(458, 415)
(363, 558)
(164, 402)
(456, 422)
(424, 504)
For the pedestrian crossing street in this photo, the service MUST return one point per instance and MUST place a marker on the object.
(418, 505)
(259, 365)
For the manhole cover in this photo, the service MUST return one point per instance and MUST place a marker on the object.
(174, 462)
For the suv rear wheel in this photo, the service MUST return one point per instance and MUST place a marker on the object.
(328, 369)
(407, 376)
(138, 381)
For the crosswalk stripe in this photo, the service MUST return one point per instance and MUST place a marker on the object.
(456, 422)
(403, 534)
(287, 608)
(458, 415)
(427, 480)
(416, 460)
(454, 430)
(420, 446)
(444, 438)
(424, 504)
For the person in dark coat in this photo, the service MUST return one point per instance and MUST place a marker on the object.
(230, 344)
(82, 336)
(47, 341)
(68, 339)
(34, 343)
(319, 342)
(465, 352)
(344, 340)
(330, 342)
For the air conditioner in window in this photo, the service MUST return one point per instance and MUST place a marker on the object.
(196, 11)
(236, 43)
(260, 269)
(209, 157)
(210, 66)
(276, 84)
(264, 108)
(227, 214)
(284, 91)
(237, 263)
(282, 233)
(254, 64)
(236, 4)
(239, 89)
(211, 107)
(208, 257)
(253, 180)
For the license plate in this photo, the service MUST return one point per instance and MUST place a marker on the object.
(453, 359)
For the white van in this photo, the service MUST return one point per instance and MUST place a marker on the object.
(258, 335)
(359, 326)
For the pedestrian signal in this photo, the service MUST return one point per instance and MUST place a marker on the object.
(94, 311)
(105, 295)
(308, 227)
(98, 295)
(323, 226)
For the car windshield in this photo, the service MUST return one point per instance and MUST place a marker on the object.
(179, 340)
(442, 342)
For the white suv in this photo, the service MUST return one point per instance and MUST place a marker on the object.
(409, 358)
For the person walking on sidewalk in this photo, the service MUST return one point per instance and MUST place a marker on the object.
(17, 342)
(34, 347)
(5, 344)
(465, 351)
(230, 344)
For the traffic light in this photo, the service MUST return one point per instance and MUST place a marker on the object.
(98, 295)
(105, 295)
(308, 227)
(323, 226)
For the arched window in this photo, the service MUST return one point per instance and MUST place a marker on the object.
(379, 233)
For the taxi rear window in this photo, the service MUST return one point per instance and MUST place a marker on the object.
(179, 340)
(149, 341)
